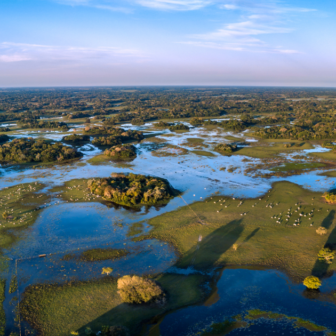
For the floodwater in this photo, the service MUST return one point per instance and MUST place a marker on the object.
(240, 290)
(74, 227)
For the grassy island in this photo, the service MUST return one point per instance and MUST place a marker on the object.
(132, 189)
(30, 150)
(226, 148)
(119, 136)
(61, 126)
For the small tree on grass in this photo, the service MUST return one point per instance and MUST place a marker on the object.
(312, 282)
(326, 255)
(5, 215)
(135, 289)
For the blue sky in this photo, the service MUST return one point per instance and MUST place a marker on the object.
(167, 42)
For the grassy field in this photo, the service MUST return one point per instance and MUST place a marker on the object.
(298, 166)
(329, 174)
(232, 238)
(268, 149)
(203, 153)
(59, 310)
(329, 156)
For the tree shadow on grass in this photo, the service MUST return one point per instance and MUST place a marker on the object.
(320, 268)
(328, 220)
(207, 252)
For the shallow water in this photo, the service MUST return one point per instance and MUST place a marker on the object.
(240, 290)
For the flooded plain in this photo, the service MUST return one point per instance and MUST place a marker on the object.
(199, 172)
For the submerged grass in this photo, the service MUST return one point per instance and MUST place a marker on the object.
(98, 254)
(2, 311)
(298, 166)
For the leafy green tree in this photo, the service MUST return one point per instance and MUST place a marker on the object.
(312, 282)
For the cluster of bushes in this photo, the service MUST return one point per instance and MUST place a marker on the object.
(226, 148)
(179, 127)
(119, 136)
(121, 152)
(295, 132)
(45, 124)
(31, 150)
(162, 124)
(74, 138)
(138, 290)
(137, 121)
(312, 282)
(132, 189)
(3, 138)
(4, 129)
(196, 121)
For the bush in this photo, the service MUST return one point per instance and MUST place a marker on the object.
(115, 331)
(321, 231)
(330, 197)
(137, 290)
(312, 282)
(226, 148)
(3, 138)
(179, 127)
(326, 255)
(121, 152)
(76, 138)
(196, 121)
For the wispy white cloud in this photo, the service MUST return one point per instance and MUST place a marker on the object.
(257, 18)
(109, 5)
(179, 5)
(18, 52)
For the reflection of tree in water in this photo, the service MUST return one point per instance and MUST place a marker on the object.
(145, 208)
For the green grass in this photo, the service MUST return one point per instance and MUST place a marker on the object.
(102, 159)
(58, 310)
(135, 229)
(203, 153)
(330, 156)
(329, 174)
(233, 138)
(267, 150)
(98, 254)
(20, 203)
(13, 285)
(260, 240)
(298, 166)
(2, 311)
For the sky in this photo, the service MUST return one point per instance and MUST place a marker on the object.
(167, 42)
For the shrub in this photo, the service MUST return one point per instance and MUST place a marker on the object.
(326, 255)
(135, 289)
(179, 127)
(312, 282)
(330, 197)
(3, 138)
(196, 121)
(121, 152)
(226, 148)
(115, 331)
(321, 231)
(76, 138)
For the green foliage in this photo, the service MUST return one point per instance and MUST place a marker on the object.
(13, 285)
(162, 124)
(326, 255)
(137, 290)
(31, 150)
(138, 121)
(330, 197)
(5, 129)
(74, 138)
(226, 148)
(196, 121)
(312, 282)
(118, 136)
(5, 214)
(121, 152)
(179, 127)
(44, 124)
(132, 189)
(99, 254)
